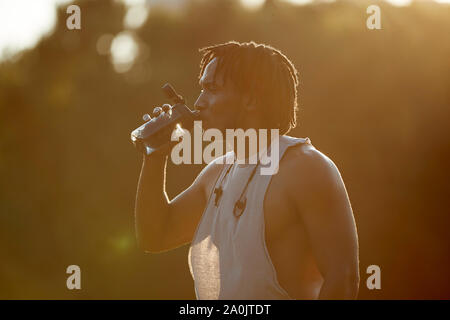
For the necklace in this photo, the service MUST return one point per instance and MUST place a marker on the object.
(240, 205)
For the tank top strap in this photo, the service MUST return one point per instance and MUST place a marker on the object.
(284, 143)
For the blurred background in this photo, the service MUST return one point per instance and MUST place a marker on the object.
(377, 102)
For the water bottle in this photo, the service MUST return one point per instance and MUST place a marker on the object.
(156, 132)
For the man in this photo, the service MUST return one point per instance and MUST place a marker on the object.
(291, 235)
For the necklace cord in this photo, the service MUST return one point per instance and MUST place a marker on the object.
(240, 204)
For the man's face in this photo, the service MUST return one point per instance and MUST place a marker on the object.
(219, 103)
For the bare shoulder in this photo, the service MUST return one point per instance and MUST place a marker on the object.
(214, 167)
(306, 156)
(307, 168)
(209, 174)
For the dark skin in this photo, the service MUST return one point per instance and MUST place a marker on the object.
(310, 230)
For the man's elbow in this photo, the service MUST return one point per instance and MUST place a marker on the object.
(350, 278)
(150, 245)
(351, 282)
(150, 238)
(342, 284)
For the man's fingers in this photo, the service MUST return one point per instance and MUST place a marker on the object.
(157, 111)
(166, 107)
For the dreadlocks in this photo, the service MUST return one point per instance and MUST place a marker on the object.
(265, 73)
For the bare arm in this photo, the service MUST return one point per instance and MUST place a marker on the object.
(326, 212)
(163, 224)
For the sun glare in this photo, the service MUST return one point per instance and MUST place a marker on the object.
(252, 4)
(399, 3)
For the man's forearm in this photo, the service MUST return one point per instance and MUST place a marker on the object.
(339, 287)
(151, 203)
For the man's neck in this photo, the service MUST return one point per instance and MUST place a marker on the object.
(252, 154)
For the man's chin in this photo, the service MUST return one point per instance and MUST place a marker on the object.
(207, 124)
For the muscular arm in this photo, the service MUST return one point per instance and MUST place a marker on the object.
(326, 212)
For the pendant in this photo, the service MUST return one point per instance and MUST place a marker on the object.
(239, 207)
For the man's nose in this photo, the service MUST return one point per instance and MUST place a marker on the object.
(199, 105)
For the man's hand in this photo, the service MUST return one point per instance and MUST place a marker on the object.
(159, 113)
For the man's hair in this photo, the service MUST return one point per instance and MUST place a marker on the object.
(262, 71)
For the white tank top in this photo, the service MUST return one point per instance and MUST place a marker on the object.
(228, 256)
